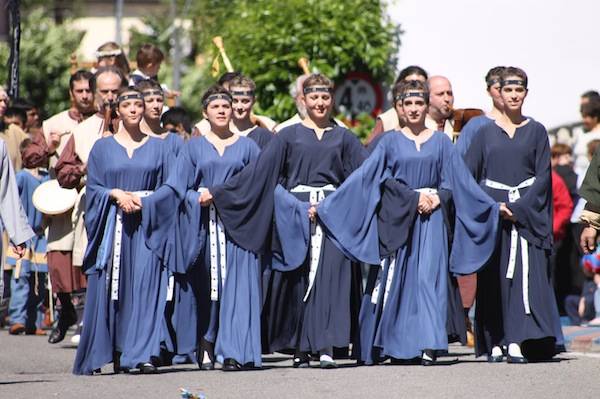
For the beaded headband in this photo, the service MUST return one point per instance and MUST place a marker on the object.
(249, 93)
(405, 95)
(218, 96)
(148, 93)
(316, 89)
(492, 82)
(518, 82)
(131, 96)
(108, 53)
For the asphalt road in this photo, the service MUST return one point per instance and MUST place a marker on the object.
(32, 368)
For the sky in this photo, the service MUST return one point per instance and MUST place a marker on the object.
(554, 41)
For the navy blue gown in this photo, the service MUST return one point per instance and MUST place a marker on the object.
(250, 201)
(130, 324)
(407, 311)
(469, 131)
(325, 318)
(261, 136)
(502, 315)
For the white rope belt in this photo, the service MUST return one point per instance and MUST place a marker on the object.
(116, 258)
(316, 195)
(392, 266)
(514, 195)
(218, 247)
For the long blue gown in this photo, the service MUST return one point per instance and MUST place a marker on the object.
(232, 322)
(500, 316)
(413, 317)
(132, 324)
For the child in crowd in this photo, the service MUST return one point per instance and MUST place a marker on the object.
(28, 282)
(177, 120)
(15, 116)
(586, 307)
(148, 58)
(562, 163)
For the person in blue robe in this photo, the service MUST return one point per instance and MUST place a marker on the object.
(516, 307)
(28, 286)
(404, 311)
(218, 286)
(127, 282)
(310, 294)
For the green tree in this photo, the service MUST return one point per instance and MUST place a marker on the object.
(265, 39)
(44, 60)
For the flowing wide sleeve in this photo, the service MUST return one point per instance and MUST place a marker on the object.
(13, 216)
(292, 231)
(533, 210)
(476, 218)
(350, 213)
(245, 201)
(100, 213)
(172, 216)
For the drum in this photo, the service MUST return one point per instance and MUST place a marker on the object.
(51, 199)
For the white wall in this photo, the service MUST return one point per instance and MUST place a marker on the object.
(554, 41)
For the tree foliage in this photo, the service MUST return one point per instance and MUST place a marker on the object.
(44, 61)
(265, 39)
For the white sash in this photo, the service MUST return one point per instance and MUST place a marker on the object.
(392, 266)
(316, 195)
(514, 195)
(116, 258)
(218, 248)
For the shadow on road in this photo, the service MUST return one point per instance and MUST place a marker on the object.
(24, 382)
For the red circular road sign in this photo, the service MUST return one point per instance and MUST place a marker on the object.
(358, 93)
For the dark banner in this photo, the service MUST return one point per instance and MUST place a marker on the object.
(14, 17)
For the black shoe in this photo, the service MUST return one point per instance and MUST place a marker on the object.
(405, 362)
(207, 347)
(516, 359)
(432, 355)
(147, 368)
(62, 326)
(301, 360)
(326, 364)
(230, 364)
(117, 364)
(495, 359)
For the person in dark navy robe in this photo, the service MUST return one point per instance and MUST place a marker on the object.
(516, 306)
(242, 91)
(127, 290)
(404, 311)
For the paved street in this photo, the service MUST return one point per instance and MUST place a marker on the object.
(32, 368)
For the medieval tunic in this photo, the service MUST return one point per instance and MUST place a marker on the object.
(405, 306)
(217, 287)
(127, 282)
(515, 299)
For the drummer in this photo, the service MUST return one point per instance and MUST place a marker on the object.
(65, 279)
